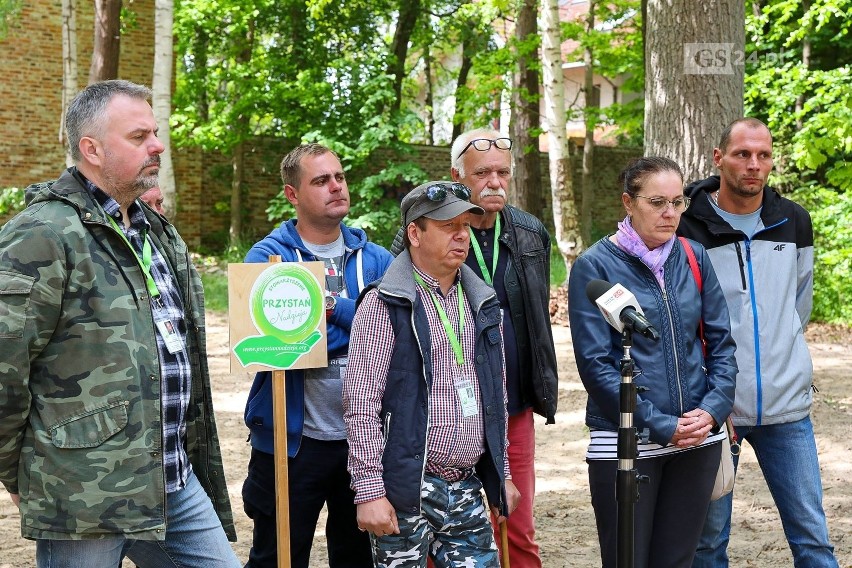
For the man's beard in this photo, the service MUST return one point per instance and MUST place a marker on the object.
(744, 190)
(124, 192)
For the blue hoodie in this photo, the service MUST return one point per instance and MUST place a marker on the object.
(285, 241)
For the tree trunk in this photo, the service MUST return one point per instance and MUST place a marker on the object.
(568, 238)
(241, 126)
(694, 62)
(590, 123)
(525, 122)
(806, 64)
(408, 12)
(107, 41)
(430, 95)
(162, 97)
(235, 232)
(70, 78)
(464, 70)
(200, 50)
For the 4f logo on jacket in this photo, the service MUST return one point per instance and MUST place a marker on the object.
(779, 247)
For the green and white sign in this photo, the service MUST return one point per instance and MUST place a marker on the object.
(286, 306)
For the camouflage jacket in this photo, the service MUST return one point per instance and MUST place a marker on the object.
(80, 424)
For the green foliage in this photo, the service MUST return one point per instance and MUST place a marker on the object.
(617, 48)
(215, 291)
(808, 108)
(558, 274)
(11, 201)
(9, 10)
(831, 213)
(128, 19)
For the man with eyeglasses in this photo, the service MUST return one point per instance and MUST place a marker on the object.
(511, 252)
(761, 246)
(424, 397)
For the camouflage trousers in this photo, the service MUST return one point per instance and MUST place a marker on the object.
(453, 527)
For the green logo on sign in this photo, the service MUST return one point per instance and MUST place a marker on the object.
(286, 305)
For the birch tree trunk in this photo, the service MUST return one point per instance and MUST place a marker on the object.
(694, 62)
(590, 123)
(70, 78)
(161, 100)
(526, 121)
(565, 216)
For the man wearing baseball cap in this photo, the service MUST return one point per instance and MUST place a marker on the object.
(424, 395)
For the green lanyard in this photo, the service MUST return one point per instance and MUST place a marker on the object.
(481, 259)
(451, 334)
(144, 262)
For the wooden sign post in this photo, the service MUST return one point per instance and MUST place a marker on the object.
(277, 322)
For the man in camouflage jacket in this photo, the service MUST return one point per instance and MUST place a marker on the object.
(81, 372)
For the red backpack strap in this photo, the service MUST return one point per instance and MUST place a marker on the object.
(696, 273)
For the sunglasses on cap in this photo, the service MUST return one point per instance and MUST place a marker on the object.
(484, 144)
(438, 191)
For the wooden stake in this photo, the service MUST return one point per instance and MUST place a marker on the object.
(282, 480)
(504, 548)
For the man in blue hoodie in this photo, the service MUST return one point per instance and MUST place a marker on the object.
(316, 435)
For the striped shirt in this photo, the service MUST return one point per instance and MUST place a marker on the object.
(175, 369)
(454, 442)
(603, 445)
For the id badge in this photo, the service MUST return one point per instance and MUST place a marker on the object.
(467, 397)
(340, 363)
(168, 331)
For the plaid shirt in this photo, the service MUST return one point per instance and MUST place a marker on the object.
(175, 370)
(454, 442)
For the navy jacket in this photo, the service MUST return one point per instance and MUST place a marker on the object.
(405, 409)
(673, 369)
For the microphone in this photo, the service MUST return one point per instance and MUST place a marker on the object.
(620, 308)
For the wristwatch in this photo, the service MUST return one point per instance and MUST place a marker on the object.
(330, 304)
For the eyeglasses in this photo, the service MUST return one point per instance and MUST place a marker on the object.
(661, 203)
(438, 191)
(484, 144)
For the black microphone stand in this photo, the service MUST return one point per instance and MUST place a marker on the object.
(628, 478)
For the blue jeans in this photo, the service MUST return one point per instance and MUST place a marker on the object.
(194, 537)
(787, 455)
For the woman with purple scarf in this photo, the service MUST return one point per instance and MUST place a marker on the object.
(685, 393)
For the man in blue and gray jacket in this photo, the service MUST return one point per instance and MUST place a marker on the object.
(761, 246)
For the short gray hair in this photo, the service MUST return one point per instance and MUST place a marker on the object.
(464, 139)
(86, 113)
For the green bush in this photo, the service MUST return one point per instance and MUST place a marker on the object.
(831, 212)
(215, 291)
(11, 201)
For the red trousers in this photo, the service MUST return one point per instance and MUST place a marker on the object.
(523, 549)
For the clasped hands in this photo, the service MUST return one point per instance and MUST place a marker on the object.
(693, 428)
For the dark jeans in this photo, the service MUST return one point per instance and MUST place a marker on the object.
(317, 476)
(671, 508)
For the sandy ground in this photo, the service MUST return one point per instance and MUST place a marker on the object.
(564, 515)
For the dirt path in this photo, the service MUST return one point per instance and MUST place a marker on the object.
(564, 515)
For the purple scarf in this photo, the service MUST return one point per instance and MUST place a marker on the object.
(630, 242)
